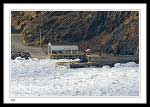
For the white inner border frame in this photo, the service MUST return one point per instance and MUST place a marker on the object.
(76, 7)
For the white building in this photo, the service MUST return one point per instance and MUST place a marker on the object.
(62, 49)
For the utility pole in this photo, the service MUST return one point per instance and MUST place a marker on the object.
(48, 47)
(40, 37)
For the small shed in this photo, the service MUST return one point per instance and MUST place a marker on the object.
(62, 49)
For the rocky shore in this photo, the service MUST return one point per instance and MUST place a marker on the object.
(20, 53)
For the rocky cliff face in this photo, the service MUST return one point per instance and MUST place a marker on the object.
(105, 31)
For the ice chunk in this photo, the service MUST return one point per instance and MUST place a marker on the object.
(117, 64)
(106, 67)
(129, 64)
(19, 58)
(42, 77)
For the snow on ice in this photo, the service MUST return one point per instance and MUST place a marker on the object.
(32, 78)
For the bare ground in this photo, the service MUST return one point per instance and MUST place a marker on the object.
(16, 44)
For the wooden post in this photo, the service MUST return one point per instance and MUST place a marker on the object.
(71, 51)
(40, 37)
(48, 49)
(51, 49)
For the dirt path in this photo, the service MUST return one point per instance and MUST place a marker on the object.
(37, 52)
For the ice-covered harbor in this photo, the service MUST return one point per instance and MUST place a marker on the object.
(32, 78)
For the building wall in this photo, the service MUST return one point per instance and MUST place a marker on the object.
(64, 47)
(67, 49)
